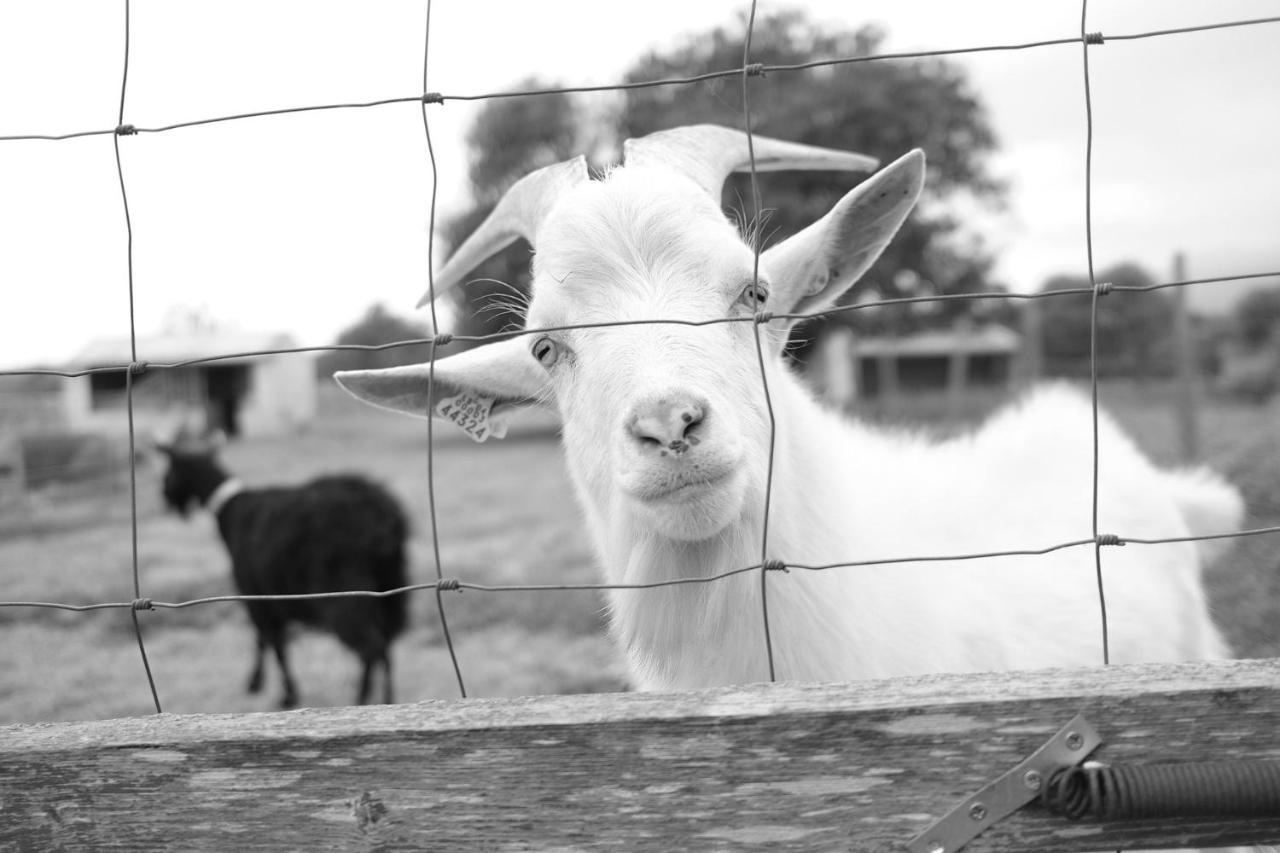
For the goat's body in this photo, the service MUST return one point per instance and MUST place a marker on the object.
(1022, 482)
(319, 537)
(667, 436)
(333, 534)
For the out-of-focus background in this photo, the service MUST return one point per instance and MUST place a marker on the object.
(311, 228)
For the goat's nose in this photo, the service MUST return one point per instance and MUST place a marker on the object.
(669, 423)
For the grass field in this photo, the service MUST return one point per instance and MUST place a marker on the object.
(506, 515)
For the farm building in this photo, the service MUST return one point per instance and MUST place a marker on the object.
(935, 364)
(240, 395)
(1249, 373)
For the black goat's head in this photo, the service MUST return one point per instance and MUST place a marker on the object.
(193, 472)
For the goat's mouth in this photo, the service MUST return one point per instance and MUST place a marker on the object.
(691, 505)
(680, 487)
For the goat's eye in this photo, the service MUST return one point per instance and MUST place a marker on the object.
(755, 295)
(546, 351)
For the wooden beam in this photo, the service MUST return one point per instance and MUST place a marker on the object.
(860, 766)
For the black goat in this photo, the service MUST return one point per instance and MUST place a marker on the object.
(333, 534)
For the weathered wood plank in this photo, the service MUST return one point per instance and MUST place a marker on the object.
(765, 767)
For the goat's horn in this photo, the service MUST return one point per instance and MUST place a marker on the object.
(517, 214)
(708, 153)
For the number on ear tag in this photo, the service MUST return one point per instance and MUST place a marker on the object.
(470, 412)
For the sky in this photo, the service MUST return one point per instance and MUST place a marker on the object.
(298, 223)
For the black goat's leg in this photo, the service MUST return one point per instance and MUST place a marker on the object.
(290, 697)
(386, 678)
(255, 676)
(366, 680)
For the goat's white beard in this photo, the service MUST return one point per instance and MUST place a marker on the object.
(689, 635)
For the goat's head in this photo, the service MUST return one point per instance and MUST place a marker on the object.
(193, 471)
(664, 423)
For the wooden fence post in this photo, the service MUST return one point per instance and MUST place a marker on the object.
(1186, 402)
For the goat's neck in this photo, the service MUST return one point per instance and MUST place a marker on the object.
(695, 635)
(210, 484)
(226, 490)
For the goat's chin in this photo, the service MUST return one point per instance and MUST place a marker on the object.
(694, 512)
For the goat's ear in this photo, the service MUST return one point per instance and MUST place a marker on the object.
(811, 269)
(478, 390)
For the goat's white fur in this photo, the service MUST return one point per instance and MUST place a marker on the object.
(649, 243)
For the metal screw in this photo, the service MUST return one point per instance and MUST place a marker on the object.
(978, 811)
(1074, 740)
(1033, 780)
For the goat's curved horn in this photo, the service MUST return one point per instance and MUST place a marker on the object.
(708, 153)
(517, 214)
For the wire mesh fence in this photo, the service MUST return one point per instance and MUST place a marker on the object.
(1098, 538)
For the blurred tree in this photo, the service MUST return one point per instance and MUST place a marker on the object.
(880, 108)
(510, 138)
(1134, 329)
(1257, 316)
(377, 326)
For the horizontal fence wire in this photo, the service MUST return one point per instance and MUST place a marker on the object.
(746, 72)
(426, 97)
(456, 585)
(444, 339)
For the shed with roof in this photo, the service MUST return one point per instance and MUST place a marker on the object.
(237, 382)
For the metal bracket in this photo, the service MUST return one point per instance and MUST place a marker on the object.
(1070, 746)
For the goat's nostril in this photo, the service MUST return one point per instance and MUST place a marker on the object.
(667, 424)
(691, 435)
(691, 417)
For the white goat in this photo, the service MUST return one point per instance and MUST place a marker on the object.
(667, 435)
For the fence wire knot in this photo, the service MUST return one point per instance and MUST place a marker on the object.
(1109, 539)
(142, 604)
(126, 130)
(442, 340)
(755, 69)
(1103, 287)
(1093, 38)
(137, 368)
(433, 98)
(775, 566)
(763, 317)
(448, 585)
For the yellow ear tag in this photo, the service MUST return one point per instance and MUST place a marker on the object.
(471, 413)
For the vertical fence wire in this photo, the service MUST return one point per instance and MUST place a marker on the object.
(1085, 39)
(759, 328)
(431, 376)
(139, 602)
